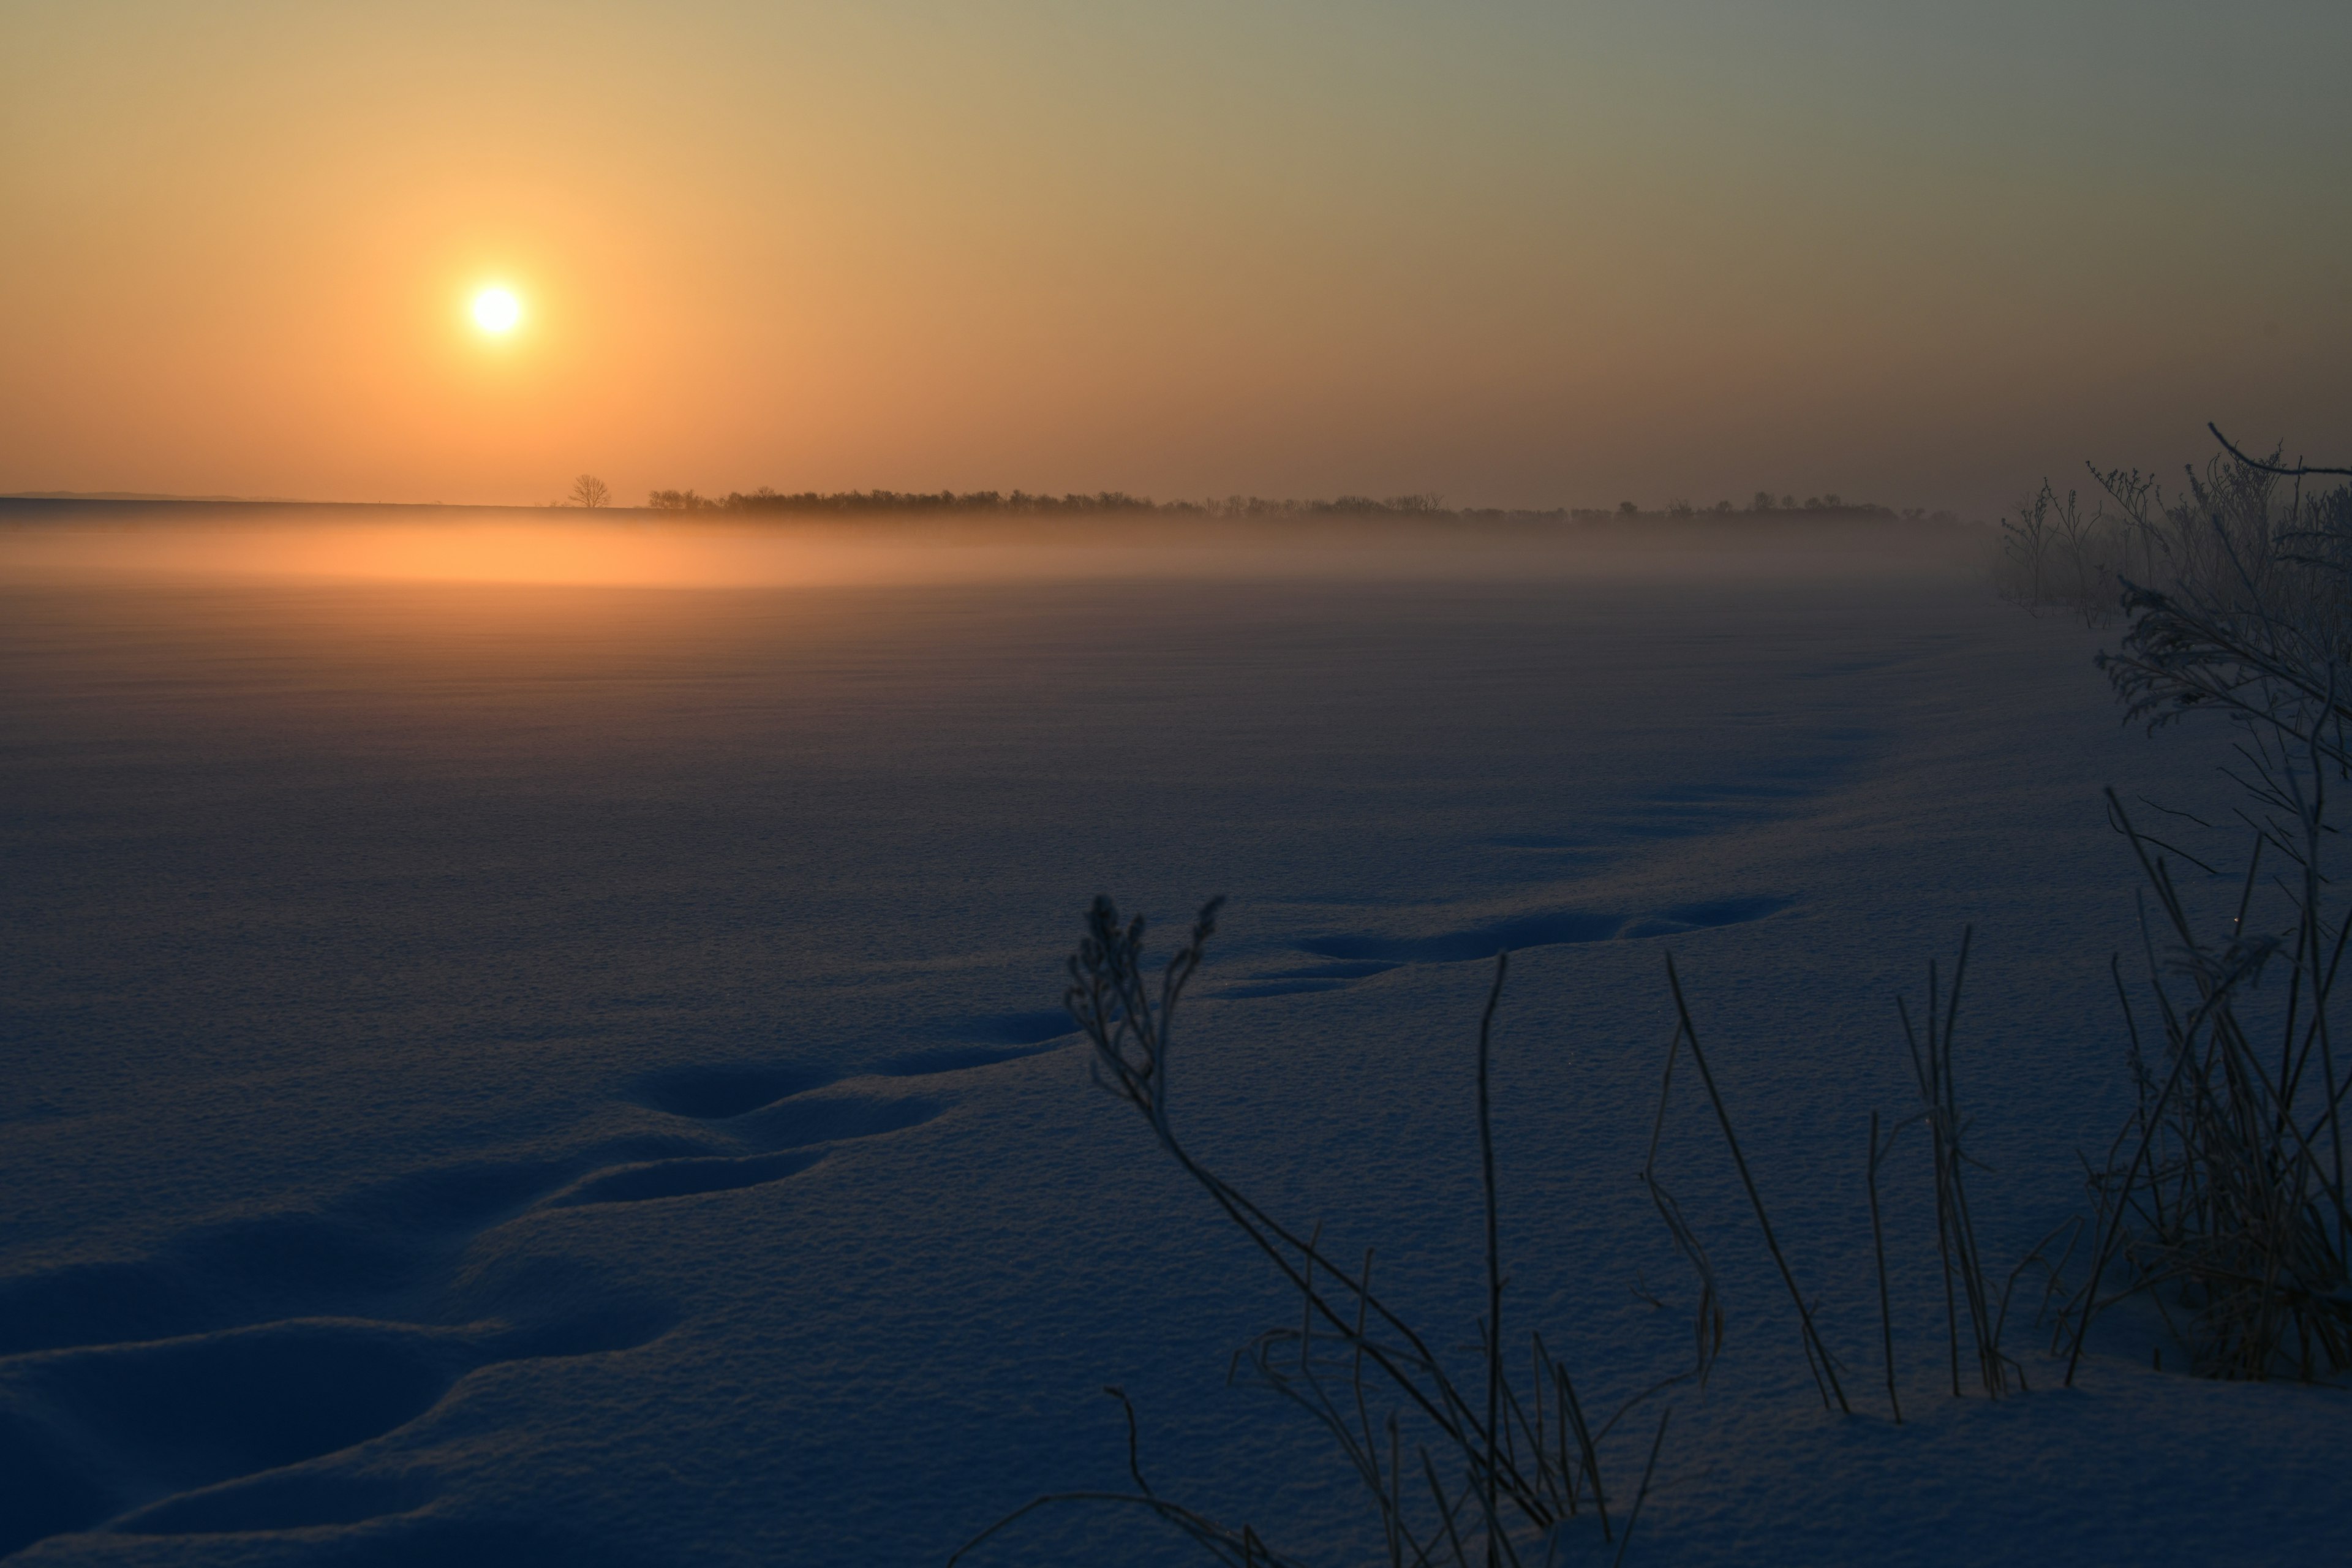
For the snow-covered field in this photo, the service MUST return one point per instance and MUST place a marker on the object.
(574, 1074)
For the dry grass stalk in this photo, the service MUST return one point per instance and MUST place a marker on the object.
(1817, 1354)
(1955, 1233)
(1527, 1457)
(1878, 1243)
(1347, 1343)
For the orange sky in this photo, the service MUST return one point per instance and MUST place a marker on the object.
(1515, 252)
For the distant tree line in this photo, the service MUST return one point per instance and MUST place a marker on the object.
(899, 502)
(1417, 506)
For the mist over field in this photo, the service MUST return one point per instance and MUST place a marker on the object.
(53, 541)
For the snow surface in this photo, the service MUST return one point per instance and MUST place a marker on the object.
(574, 1074)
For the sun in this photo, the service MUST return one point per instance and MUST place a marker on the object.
(496, 310)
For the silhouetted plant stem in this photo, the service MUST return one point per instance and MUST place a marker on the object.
(1878, 1240)
(1825, 1368)
(1925, 1074)
(1494, 1261)
(1642, 1496)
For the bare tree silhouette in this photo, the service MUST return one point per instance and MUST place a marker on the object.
(588, 490)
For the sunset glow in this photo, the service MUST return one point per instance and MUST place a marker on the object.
(1532, 256)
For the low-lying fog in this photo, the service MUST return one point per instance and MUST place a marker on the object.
(492, 544)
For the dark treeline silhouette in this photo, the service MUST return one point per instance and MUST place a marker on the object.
(1414, 507)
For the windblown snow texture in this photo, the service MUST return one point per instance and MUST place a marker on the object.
(575, 1077)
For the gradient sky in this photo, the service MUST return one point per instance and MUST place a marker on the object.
(1515, 253)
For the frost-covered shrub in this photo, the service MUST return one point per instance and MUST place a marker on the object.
(2223, 1202)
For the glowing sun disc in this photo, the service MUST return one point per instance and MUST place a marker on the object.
(496, 310)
